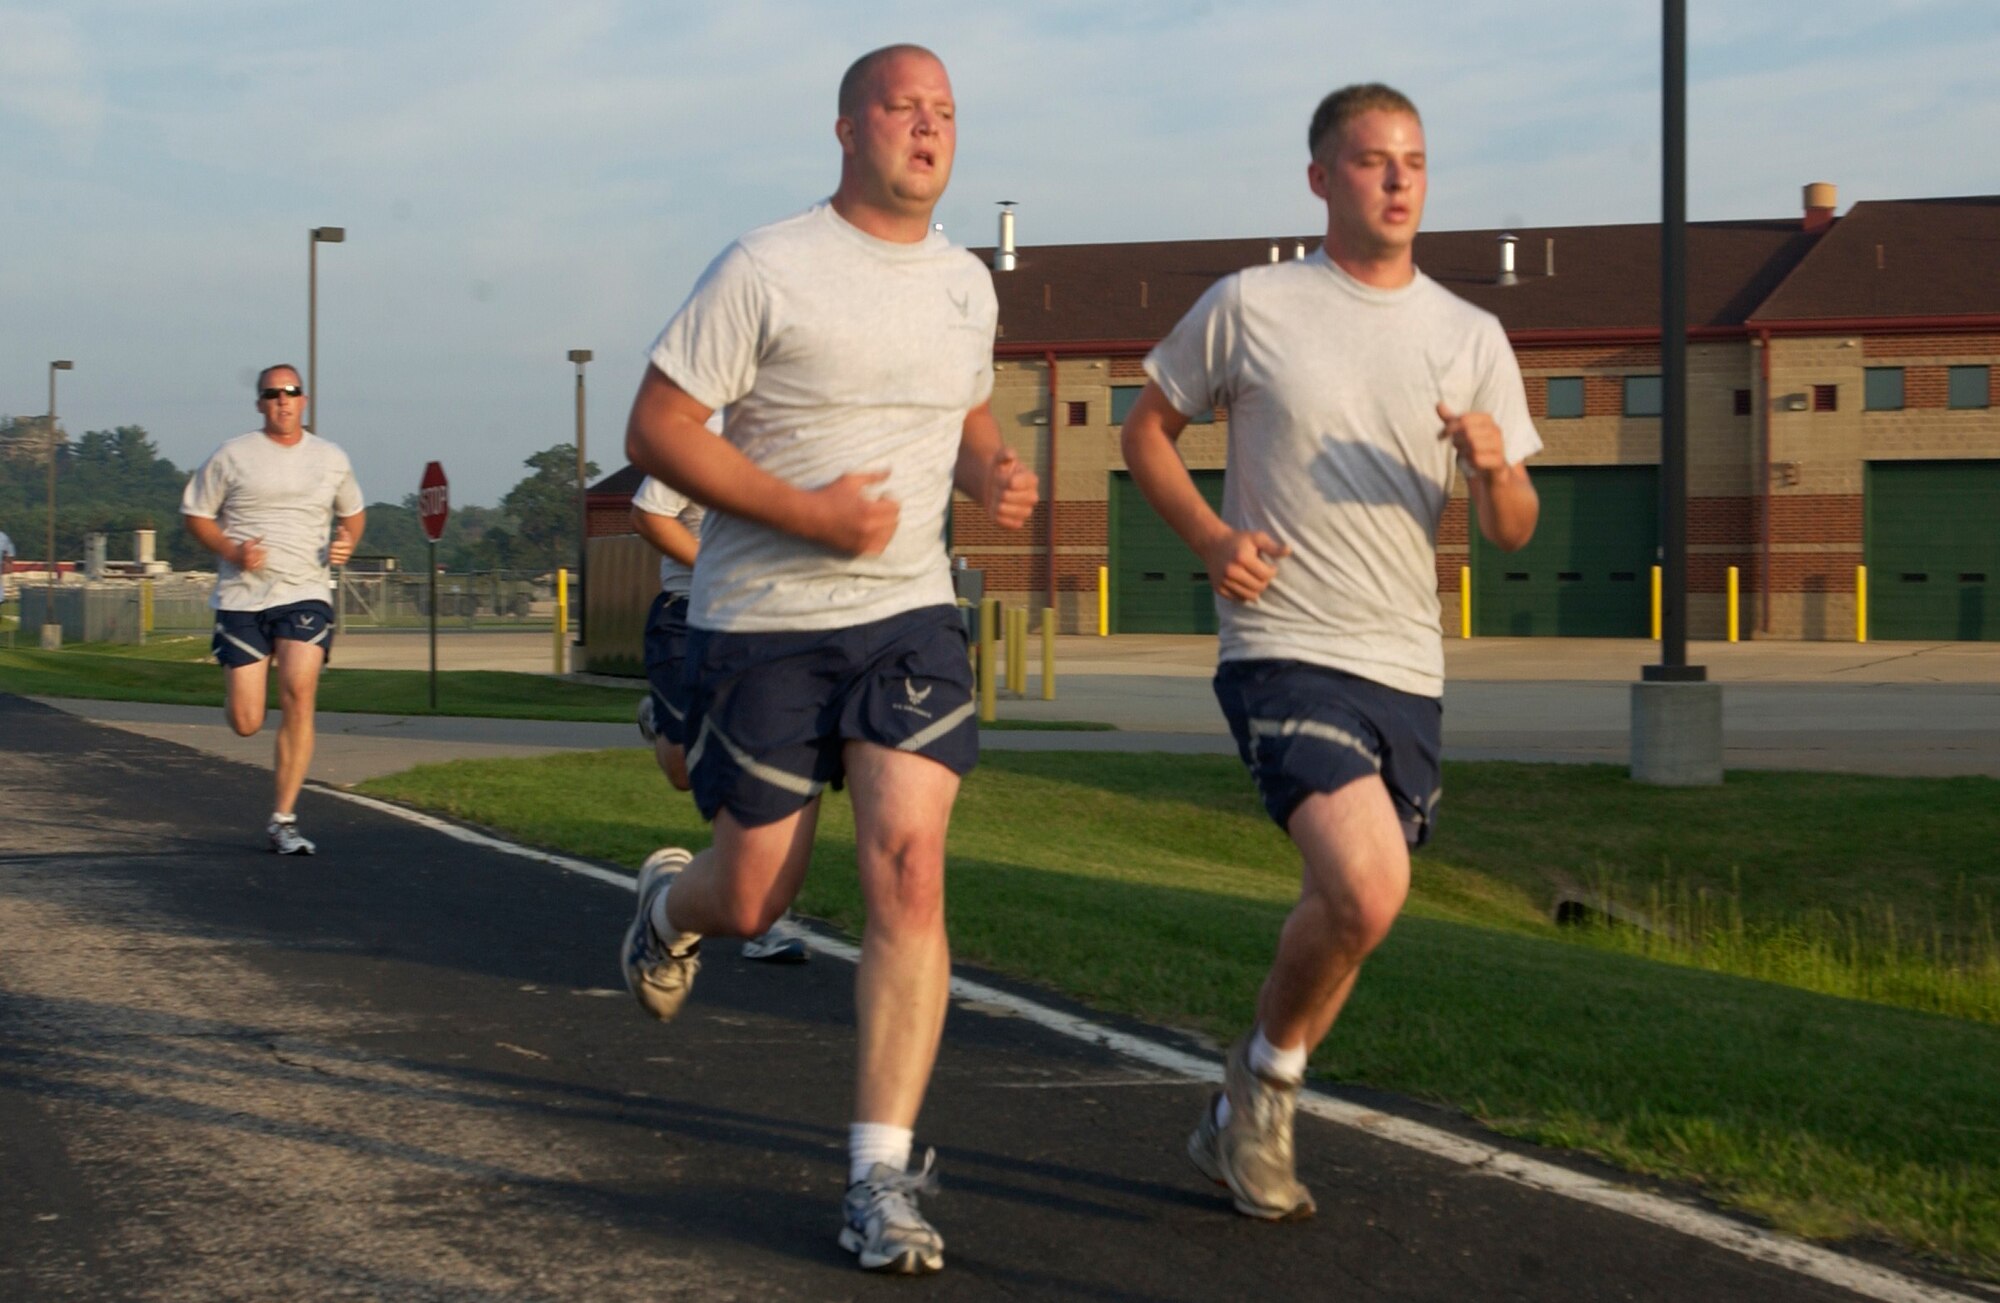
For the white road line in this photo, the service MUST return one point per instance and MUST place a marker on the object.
(1751, 1242)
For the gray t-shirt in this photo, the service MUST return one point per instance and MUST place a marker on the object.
(1332, 389)
(656, 499)
(834, 352)
(288, 495)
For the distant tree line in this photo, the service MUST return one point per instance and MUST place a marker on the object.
(115, 481)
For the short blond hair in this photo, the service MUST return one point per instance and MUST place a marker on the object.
(854, 83)
(1350, 102)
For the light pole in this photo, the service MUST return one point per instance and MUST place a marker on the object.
(580, 356)
(51, 626)
(317, 236)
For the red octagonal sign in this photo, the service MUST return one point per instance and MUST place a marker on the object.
(434, 500)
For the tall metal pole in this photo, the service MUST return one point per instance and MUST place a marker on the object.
(315, 237)
(581, 356)
(1673, 350)
(49, 611)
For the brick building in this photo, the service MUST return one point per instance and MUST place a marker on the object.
(1841, 394)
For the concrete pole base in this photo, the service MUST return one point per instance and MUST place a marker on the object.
(51, 637)
(1677, 734)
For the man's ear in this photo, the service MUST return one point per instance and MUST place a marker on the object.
(1316, 178)
(843, 131)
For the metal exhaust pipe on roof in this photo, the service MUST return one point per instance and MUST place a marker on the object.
(1298, 250)
(1274, 251)
(1003, 253)
(1549, 250)
(1507, 276)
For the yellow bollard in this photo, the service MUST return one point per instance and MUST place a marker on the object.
(562, 615)
(1048, 653)
(1656, 603)
(1465, 601)
(1861, 603)
(1017, 651)
(1104, 601)
(989, 650)
(1732, 604)
(145, 608)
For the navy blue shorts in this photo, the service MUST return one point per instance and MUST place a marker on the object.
(246, 637)
(771, 712)
(666, 661)
(1304, 729)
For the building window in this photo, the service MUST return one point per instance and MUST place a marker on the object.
(1826, 398)
(1882, 389)
(1565, 397)
(1969, 386)
(1079, 412)
(1742, 402)
(1125, 397)
(1643, 396)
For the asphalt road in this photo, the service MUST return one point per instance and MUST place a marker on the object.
(405, 1069)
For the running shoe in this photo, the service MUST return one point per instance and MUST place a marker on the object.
(285, 838)
(780, 944)
(646, 728)
(883, 1228)
(1252, 1153)
(658, 974)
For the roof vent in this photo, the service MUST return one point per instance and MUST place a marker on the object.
(1822, 197)
(1549, 250)
(1507, 276)
(1298, 250)
(1003, 252)
(1274, 251)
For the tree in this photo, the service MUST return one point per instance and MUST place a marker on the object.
(544, 507)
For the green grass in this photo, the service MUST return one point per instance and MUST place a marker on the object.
(1156, 888)
(177, 671)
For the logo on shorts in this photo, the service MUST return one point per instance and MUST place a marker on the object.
(916, 696)
(305, 619)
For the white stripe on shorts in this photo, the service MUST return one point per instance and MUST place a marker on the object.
(239, 644)
(757, 769)
(1313, 728)
(936, 729)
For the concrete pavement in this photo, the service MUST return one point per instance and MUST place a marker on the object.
(1888, 708)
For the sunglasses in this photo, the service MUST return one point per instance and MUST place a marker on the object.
(279, 391)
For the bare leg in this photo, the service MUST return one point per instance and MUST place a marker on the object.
(1355, 879)
(742, 883)
(299, 664)
(243, 693)
(902, 806)
(672, 758)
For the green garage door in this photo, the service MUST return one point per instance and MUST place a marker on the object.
(1933, 549)
(1157, 584)
(1588, 571)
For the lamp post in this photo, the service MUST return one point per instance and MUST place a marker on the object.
(580, 356)
(51, 626)
(317, 236)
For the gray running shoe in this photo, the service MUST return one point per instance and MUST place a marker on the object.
(646, 721)
(658, 975)
(286, 838)
(780, 944)
(1252, 1155)
(884, 1230)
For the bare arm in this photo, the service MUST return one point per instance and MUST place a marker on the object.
(666, 438)
(1503, 497)
(346, 537)
(1241, 563)
(668, 536)
(990, 473)
(247, 555)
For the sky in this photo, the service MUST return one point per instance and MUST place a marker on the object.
(518, 179)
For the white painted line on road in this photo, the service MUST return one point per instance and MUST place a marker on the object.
(1751, 1242)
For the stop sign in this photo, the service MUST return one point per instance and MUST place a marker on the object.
(434, 500)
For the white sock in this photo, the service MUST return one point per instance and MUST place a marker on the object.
(1274, 1064)
(283, 818)
(869, 1143)
(663, 928)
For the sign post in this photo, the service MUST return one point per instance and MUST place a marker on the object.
(434, 505)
